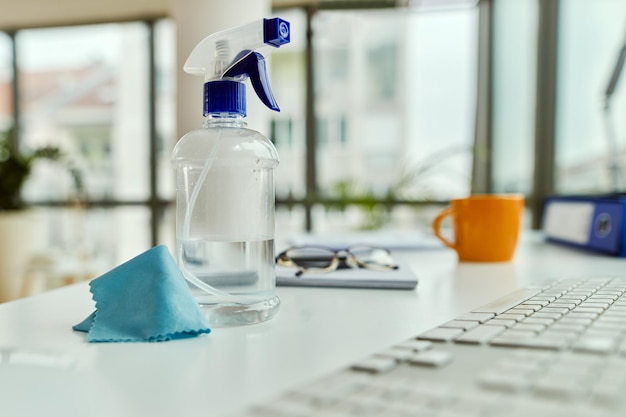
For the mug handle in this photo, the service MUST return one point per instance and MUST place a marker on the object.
(437, 225)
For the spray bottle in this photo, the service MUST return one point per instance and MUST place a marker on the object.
(225, 183)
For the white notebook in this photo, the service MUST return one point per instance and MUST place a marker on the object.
(401, 278)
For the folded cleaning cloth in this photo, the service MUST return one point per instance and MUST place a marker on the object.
(144, 299)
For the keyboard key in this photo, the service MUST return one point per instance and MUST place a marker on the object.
(571, 300)
(589, 309)
(543, 298)
(508, 382)
(399, 354)
(532, 342)
(602, 295)
(516, 317)
(602, 333)
(538, 358)
(436, 358)
(535, 328)
(476, 316)
(375, 364)
(615, 314)
(544, 314)
(550, 293)
(559, 388)
(582, 314)
(415, 345)
(533, 307)
(568, 328)
(441, 334)
(594, 304)
(480, 335)
(610, 321)
(500, 322)
(461, 324)
(514, 333)
(535, 302)
(507, 302)
(563, 304)
(572, 319)
(572, 362)
(578, 292)
(555, 310)
(538, 320)
(520, 310)
(595, 344)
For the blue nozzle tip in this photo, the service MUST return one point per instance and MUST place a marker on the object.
(276, 31)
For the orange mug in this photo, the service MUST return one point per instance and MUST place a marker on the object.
(486, 227)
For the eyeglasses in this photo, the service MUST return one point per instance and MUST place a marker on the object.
(321, 259)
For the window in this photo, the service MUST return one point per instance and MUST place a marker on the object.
(514, 78)
(394, 104)
(76, 87)
(590, 138)
(103, 94)
(383, 124)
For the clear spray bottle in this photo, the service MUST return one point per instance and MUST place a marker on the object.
(225, 183)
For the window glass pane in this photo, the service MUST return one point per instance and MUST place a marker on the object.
(84, 89)
(99, 237)
(83, 244)
(441, 73)
(287, 73)
(6, 77)
(590, 140)
(289, 222)
(513, 99)
(167, 228)
(126, 231)
(395, 101)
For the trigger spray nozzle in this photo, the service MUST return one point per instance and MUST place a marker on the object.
(226, 59)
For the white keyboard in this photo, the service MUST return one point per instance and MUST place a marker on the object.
(556, 351)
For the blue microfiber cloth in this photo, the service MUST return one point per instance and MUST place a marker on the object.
(145, 299)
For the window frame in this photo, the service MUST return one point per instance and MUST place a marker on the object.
(156, 205)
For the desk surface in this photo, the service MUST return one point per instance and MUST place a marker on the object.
(47, 369)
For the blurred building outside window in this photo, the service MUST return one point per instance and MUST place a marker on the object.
(590, 139)
(394, 107)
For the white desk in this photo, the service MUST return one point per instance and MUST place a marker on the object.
(47, 369)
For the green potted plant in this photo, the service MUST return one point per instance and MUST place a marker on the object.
(15, 168)
(22, 230)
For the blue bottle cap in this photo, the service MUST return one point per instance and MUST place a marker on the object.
(224, 96)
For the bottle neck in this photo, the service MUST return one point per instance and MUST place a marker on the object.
(231, 120)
